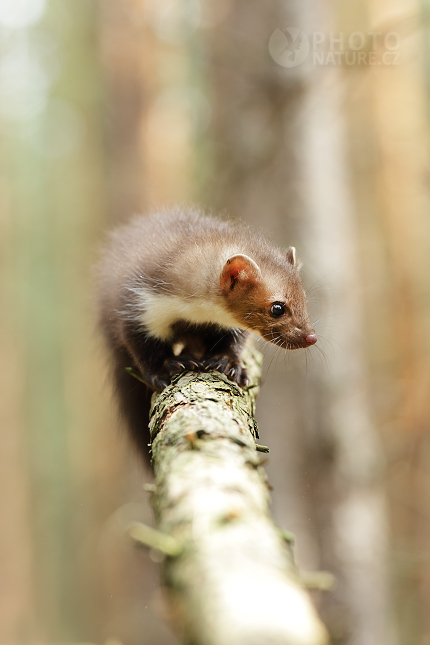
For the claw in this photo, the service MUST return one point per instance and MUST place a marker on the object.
(159, 383)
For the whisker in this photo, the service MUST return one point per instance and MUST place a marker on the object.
(323, 356)
(328, 339)
(315, 322)
(314, 285)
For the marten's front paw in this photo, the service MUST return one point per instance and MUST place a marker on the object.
(231, 368)
(182, 364)
(158, 382)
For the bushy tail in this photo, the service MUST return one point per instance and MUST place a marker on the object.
(134, 402)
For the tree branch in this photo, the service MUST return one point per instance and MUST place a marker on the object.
(232, 580)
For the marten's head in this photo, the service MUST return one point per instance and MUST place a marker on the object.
(269, 298)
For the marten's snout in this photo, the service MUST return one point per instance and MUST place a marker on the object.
(311, 339)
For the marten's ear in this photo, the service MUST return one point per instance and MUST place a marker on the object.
(292, 257)
(239, 269)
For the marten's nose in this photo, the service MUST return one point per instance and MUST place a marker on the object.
(311, 339)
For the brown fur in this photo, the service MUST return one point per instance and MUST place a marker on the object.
(183, 280)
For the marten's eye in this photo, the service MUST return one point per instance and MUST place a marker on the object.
(277, 309)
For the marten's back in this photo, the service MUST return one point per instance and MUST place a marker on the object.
(149, 248)
(179, 251)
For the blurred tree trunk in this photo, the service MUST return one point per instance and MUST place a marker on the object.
(282, 165)
(59, 463)
(400, 114)
(148, 164)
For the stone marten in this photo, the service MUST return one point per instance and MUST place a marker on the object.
(178, 290)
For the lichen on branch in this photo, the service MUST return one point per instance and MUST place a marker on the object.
(233, 579)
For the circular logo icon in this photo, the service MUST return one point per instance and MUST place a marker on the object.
(289, 47)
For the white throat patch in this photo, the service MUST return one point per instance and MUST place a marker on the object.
(160, 311)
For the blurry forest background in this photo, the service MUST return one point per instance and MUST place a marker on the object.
(118, 106)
